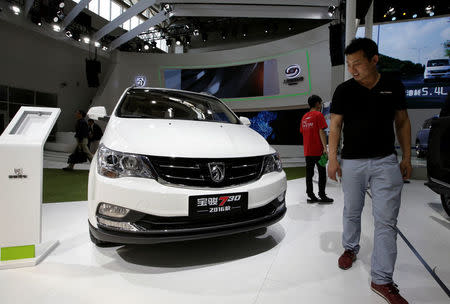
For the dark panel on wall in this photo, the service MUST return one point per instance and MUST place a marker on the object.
(13, 108)
(21, 96)
(3, 93)
(3, 106)
(46, 99)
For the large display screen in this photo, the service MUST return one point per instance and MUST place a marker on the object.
(280, 127)
(418, 53)
(247, 80)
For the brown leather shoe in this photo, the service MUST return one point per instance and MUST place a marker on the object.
(346, 259)
(389, 292)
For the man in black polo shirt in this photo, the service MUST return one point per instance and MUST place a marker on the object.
(367, 106)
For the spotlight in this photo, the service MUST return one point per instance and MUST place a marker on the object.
(56, 28)
(224, 35)
(431, 14)
(196, 32)
(391, 10)
(104, 48)
(55, 19)
(290, 27)
(394, 18)
(414, 16)
(384, 15)
(204, 37)
(331, 10)
(69, 34)
(86, 40)
(61, 5)
(36, 18)
(97, 44)
(15, 9)
(178, 41)
(146, 47)
(404, 14)
(187, 39)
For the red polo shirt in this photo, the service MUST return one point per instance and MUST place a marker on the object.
(311, 123)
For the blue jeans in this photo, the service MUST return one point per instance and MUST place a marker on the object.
(385, 180)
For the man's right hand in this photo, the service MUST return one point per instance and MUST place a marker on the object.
(333, 168)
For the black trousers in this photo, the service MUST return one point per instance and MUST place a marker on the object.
(312, 161)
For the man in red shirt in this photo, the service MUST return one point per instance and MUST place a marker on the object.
(314, 145)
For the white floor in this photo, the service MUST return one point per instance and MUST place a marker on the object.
(294, 262)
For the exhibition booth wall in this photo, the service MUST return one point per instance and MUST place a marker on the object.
(42, 71)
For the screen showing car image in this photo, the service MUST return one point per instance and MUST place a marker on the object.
(277, 127)
(248, 80)
(418, 53)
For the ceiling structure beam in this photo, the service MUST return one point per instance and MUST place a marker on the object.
(251, 11)
(129, 13)
(155, 20)
(257, 2)
(28, 6)
(74, 12)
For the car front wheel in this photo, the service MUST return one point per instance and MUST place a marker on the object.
(445, 198)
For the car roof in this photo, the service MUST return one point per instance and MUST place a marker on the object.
(173, 90)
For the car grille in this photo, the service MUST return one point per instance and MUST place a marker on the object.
(157, 223)
(438, 71)
(196, 172)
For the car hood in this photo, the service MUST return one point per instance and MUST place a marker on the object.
(438, 68)
(183, 138)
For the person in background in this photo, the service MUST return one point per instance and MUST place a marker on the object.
(445, 111)
(366, 107)
(314, 145)
(95, 134)
(81, 135)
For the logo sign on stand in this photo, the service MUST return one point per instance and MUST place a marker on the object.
(140, 81)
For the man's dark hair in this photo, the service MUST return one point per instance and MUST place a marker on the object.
(83, 114)
(368, 46)
(313, 100)
(90, 120)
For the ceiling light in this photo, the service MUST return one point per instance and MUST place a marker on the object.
(394, 18)
(146, 47)
(69, 34)
(15, 9)
(331, 10)
(414, 16)
(391, 10)
(187, 39)
(178, 42)
(196, 32)
(105, 48)
(429, 9)
(404, 14)
(56, 28)
(86, 40)
(55, 19)
(97, 44)
(61, 5)
(204, 37)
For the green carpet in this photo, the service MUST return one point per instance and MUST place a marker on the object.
(295, 172)
(71, 186)
(65, 186)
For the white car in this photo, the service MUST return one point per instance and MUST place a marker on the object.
(437, 69)
(176, 165)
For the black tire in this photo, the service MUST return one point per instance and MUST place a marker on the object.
(100, 243)
(445, 199)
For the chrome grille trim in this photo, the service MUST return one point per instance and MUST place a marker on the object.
(180, 167)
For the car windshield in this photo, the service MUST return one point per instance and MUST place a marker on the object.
(166, 104)
(437, 62)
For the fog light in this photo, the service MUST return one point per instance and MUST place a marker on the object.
(112, 210)
(126, 226)
(281, 196)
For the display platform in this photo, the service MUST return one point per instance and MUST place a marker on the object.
(295, 261)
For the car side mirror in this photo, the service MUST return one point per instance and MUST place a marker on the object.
(245, 121)
(97, 113)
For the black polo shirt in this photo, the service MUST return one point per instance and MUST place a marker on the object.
(368, 116)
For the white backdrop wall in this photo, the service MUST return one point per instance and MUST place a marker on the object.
(32, 61)
(312, 45)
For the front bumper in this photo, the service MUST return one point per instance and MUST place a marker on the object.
(182, 229)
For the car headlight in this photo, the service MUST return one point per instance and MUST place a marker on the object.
(272, 163)
(116, 164)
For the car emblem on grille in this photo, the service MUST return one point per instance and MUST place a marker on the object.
(217, 171)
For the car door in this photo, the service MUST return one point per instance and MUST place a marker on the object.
(438, 158)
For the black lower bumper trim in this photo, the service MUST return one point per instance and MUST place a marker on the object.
(119, 237)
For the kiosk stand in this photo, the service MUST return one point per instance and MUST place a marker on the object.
(21, 174)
